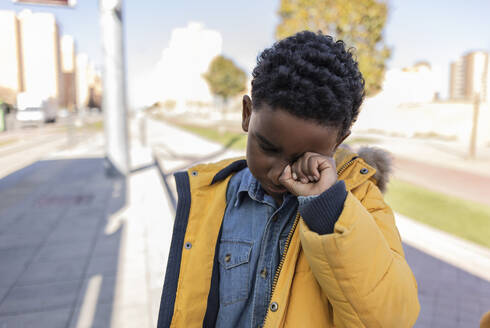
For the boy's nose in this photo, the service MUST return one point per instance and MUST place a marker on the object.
(276, 171)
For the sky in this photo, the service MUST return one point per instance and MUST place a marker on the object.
(436, 31)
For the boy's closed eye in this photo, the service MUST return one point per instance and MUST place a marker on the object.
(268, 149)
(265, 145)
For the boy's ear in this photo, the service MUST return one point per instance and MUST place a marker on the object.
(246, 112)
(342, 139)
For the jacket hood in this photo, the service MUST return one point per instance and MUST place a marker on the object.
(377, 158)
(382, 161)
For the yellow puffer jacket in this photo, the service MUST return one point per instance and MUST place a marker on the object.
(355, 277)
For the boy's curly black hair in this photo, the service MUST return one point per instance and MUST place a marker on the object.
(312, 77)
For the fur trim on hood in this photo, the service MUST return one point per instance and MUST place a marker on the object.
(381, 160)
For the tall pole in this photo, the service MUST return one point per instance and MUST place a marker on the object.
(474, 130)
(114, 88)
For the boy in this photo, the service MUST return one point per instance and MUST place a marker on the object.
(298, 234)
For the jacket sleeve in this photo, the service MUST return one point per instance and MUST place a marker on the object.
(361, 267)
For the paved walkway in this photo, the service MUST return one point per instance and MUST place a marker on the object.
(453, 275)
(79, 249)
(443, 166)
(451, 181)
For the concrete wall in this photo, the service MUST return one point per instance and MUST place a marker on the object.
(446, 120)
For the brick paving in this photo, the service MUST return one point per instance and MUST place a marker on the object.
(50, 240)
(449, 297)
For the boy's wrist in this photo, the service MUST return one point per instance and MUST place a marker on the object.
(321, 212)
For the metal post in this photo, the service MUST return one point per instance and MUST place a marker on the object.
(474, 130)
(142, 127)
(114, 88)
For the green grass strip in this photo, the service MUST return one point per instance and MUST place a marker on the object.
(7, 141)
(466, 219)
(226, 137)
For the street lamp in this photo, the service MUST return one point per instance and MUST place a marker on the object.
(114, 88)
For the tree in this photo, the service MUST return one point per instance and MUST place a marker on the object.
(359, 23)
(225, 79)
(169, 104)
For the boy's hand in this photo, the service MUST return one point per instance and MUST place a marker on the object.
(310, 175)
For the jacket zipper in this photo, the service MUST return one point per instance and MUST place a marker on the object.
(346, 165)
(288, 241)
(283, 257)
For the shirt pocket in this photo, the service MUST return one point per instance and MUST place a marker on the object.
(234, 260)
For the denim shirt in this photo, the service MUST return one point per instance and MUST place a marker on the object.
(253, 237)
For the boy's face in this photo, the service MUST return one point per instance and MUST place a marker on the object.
(277, 138)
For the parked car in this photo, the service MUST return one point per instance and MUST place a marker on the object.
(32, 108)
(31, 115)
(63, 113)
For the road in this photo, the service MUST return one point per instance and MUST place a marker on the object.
(450, 181)
(24, 146)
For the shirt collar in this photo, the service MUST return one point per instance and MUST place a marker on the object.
(251, 187)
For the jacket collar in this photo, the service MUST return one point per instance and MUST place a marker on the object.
(234, 167)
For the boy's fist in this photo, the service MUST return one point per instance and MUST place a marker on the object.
(310, 175)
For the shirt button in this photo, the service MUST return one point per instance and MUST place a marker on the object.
(263, 273)
(364, 170)
(274, 306)
(227, 257)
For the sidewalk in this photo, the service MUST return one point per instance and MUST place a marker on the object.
(79, 249)
(456, 182)
(439, 166)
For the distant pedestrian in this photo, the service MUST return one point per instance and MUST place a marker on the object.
(296, 234)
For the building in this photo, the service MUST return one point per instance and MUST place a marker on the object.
(11, 77)
(414, 84)
(40, 46)
(68, 73)
(34, 60)
(95, 89)
(476, 75)
(470, 75)
(457, 80)
(82, 80)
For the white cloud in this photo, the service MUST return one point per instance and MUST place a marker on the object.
(178, 73)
